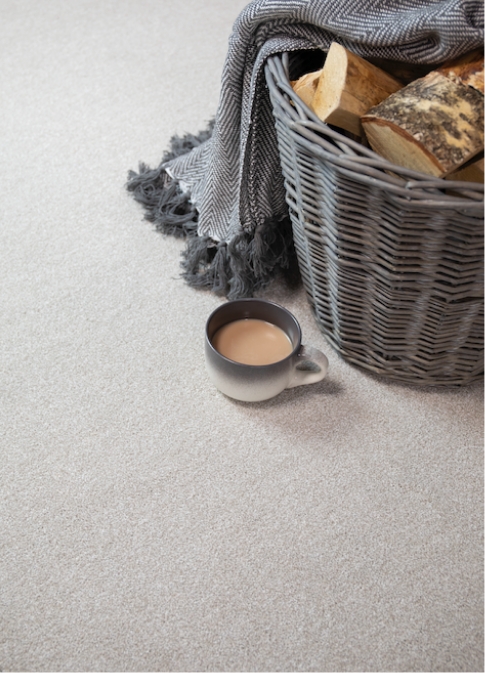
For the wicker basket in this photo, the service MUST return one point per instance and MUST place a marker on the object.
(391, 259)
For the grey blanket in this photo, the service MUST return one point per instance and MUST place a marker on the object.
(223, 188)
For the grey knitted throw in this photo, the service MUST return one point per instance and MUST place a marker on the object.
(223, 188)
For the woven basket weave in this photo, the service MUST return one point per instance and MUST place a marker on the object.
(391, 259)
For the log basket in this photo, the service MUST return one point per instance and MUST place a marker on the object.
(391, 259)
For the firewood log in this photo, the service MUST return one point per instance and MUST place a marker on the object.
(404, 72)
(470, 172)
(467, 69)
(306, 86)
(347, 87)
(433, 125)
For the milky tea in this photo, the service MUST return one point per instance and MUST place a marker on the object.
(251, 341)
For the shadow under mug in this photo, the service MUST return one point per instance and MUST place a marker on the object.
(254, 383)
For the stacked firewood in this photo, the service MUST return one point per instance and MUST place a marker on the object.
(432, 123)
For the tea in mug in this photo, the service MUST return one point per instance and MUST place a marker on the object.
(251, 341)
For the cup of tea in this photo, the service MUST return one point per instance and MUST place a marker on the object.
(253, 351)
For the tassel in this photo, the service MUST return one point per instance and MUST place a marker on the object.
(196, 261)
(164, 202)
(245, 265)
(236, 269)
(243, 282)
(166, 205)
(182, 145)
(273, 250)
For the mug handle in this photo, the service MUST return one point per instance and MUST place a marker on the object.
(302, 376)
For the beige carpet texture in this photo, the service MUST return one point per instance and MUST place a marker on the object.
(148, 522)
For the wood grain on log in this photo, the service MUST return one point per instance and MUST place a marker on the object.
(306, 86)
(473, 171)
(347, 87)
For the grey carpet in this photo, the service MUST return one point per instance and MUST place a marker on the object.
(147, 522)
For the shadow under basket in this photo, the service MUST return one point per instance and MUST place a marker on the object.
(391, 259)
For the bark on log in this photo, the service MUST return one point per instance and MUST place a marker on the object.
(467, 69)
(433, 125)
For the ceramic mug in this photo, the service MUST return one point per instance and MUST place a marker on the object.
(254, 383)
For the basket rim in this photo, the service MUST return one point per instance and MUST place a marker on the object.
(319, 138)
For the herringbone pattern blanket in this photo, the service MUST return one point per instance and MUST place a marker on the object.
(225, 189)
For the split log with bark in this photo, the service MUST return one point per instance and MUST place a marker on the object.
(345, 88)
(434, 124)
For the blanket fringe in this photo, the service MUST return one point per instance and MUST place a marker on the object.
(244, 265)
(166, 205)
(235, 269)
